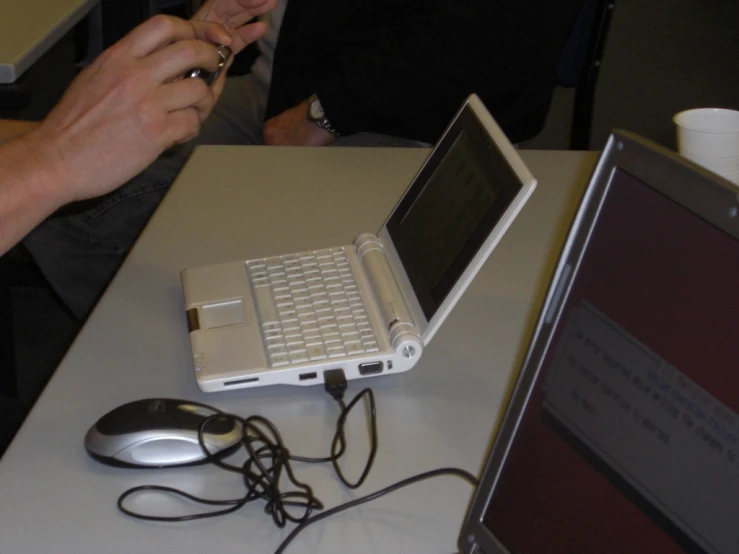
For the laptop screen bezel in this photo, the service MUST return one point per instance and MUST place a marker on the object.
(429, 298)
(706, 195)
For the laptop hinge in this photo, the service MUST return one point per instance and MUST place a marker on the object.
(402, 331)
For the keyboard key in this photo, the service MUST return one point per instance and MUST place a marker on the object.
(335, 351)
(279, 360)
(317, 311)
(277, 350)
(316, 352)
(354, 348)
(265, 305)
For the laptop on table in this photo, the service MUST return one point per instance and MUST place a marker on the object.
(370, 307)
(622, 433)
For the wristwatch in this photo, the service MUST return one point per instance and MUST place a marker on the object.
(318, 116)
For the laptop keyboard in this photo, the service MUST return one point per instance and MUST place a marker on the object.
(309, 307)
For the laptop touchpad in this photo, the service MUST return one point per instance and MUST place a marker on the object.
(223, 314)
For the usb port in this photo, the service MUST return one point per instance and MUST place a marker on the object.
(370, 368)
(308, 376)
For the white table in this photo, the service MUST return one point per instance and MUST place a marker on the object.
(28, 28)
(239, 202)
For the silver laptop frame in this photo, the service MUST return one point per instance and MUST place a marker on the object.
(705, 194)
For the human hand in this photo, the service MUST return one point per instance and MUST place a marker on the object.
(292, 128)
(234, 14)
(128, 106)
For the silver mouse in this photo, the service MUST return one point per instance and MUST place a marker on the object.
(160, 432)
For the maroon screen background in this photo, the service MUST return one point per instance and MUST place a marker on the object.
(670, 280)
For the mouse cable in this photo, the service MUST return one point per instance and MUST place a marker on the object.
(268, 460)
(382, 492)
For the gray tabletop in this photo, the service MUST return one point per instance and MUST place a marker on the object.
(240, 202)
(28, 28)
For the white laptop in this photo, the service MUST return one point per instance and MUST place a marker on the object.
(369, 307)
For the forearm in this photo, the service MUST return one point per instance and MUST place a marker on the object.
(10, 129)
(30, 189)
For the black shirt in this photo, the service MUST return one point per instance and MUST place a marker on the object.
(404, 67)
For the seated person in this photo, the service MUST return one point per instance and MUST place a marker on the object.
(116, 117)
(346, 72)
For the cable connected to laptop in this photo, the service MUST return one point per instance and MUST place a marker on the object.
(269, 460)
(382, 492)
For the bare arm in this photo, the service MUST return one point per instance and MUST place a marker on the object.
(28, 185)
(116, 117)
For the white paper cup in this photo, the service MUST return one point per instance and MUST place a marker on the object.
(728, 168)
(708, 132)
(715, 163)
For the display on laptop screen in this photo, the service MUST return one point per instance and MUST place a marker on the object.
(630, 440)
(448, 211)
(439, 228)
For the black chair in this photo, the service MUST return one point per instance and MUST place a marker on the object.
(579, 64)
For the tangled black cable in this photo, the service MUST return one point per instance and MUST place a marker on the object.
(269, 460)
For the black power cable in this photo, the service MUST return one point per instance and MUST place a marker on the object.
(268, 461)
(382, 492)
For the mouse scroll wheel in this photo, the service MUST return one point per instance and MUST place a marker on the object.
(192, 417)
(201, 411)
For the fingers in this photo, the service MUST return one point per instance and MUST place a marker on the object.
(258, 7)
(182, 126)
(161, 30)
(220, 82)
(233, 13)
(246, 34)
(172, 62)
(246, 10)
(154, 34)
(212, 32)
(187, 93)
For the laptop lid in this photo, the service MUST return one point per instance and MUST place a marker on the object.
(622, 432)
(455, 211)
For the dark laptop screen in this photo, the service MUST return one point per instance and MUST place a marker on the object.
(631, 437)
(451, 208)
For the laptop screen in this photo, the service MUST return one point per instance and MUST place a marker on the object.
(630, 439)
(450, 210)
